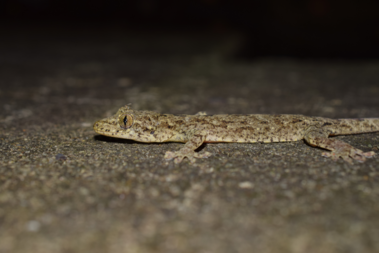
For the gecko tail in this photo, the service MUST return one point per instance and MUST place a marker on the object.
(356, 126)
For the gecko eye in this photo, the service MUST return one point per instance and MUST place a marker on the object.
(125, 121)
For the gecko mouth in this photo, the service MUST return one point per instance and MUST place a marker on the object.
(104, 128)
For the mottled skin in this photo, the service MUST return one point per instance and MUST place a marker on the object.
(194, 130)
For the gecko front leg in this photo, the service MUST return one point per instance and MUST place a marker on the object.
(188, 150)
(319, 137)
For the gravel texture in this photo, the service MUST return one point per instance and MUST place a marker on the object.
(64, 188)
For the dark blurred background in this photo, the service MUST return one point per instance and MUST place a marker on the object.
(292, 28)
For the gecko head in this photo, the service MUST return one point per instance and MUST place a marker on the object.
(129, 124)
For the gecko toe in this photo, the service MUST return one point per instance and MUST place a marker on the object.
(203, 155)
(173, 155)
(359, 158)
(326, 154)
(347, 159)
(331, 155)
(179, 156)
(192, 159)
(178, 160)
(169, 155)
(369, 154)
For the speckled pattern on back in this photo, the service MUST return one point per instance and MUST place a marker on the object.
(194, 130)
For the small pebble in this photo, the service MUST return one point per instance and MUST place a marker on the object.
(60, 157)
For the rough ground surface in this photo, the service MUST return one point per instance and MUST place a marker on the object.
(65, 189)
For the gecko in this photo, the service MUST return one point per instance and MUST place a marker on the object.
(194, 130)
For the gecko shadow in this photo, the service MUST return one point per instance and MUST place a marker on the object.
(127, 141)
(114, 140)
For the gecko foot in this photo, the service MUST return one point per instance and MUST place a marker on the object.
(178, 156)
(349, 154)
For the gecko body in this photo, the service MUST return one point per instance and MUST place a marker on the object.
(194, 130)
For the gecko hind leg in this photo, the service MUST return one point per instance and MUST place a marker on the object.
(319, 138)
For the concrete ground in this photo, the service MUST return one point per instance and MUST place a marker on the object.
(63, 188)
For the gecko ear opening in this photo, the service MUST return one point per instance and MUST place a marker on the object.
(125, 121)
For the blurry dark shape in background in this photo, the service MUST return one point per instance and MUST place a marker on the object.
(272, 28)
